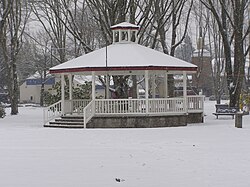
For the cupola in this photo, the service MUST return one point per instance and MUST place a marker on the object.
(125, 32)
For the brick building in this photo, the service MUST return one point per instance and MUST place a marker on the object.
(203, 80)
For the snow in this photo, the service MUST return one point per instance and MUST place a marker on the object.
(124, 55)
(37, 75)
(214, 154)
(125, 25)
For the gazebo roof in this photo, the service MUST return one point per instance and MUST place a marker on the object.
(121, 57)
(124, 25)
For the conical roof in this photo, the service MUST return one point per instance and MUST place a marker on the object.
(124, 56)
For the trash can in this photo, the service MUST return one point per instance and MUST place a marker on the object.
(238, 119)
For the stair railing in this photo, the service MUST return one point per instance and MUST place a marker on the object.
(52, 111)
(88, 112)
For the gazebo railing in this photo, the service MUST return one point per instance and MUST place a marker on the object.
(79, 104)
(75, 106)
(120, 106)
(169, 105)
(195, 103)
(163, 106)
(138, 106)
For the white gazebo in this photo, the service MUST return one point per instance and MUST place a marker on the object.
(125, 57)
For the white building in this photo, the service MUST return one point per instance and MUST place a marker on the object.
(30, 90)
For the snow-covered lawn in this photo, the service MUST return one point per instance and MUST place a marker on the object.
(212, 154)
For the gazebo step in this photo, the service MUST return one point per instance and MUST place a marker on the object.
(69, 120)
(66, 122)
(72, 117)
(63, 125)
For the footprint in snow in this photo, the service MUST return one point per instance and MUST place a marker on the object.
(119, 180)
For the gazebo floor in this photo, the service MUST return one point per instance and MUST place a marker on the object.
(145, 121)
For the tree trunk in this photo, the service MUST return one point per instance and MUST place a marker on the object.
(239, 60)
(15, 96)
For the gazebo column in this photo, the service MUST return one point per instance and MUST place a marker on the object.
(129, 36)
(93, 94)
(136, 38)
(120, 35)
(107, 86)
(146, 90)
(153, 86)
(62, 94)
(185, 91)
(166, 84)
(113, 37)
(93, 85)
(70, 93)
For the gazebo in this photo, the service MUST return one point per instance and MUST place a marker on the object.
(125, 57)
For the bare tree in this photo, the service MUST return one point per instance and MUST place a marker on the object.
(230, 14)
(168, 17)
(5, 8)
(12, 29)
(49, 14)
(218, 65)
(43, 59)
(81, 25)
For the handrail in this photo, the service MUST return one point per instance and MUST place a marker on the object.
(88, 112)
(139, 106)
(52, 111)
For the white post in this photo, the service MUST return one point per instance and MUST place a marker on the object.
(62, 94)
(146, 91)
(93, 94)
(137, 91)
(114, 36)
(107, 87)
(136, 38)
(153, 86)
(93, 85)
(120, 35)
(129, 36)
(185, 91)
(166, 85)
(70, 93)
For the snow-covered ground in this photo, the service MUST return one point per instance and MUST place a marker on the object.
(212, 154)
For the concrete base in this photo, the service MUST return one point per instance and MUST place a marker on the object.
(137, 121)
(195, 118)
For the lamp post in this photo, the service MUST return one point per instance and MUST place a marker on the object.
(107, 75)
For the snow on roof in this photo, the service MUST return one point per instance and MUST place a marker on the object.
(128, 56)
(38, 75)
(125, 25)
